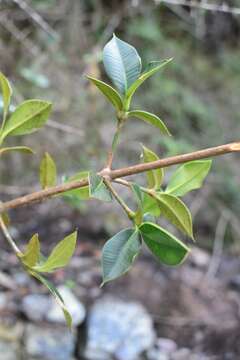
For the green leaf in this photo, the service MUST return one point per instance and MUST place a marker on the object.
(56, 296)
(150, 205)
(150, 119)
(176, 212)
(154, 177)
(119, 253)
(32, 254)
(98, 189)
(24, 149)
(48, 172)
(27, 118)
(166, 247)
(139, 195)
(151, 69)
(122, 63)
(111, 94)
(81, 193)
(6, 94)
(60, 255)
(188, 177)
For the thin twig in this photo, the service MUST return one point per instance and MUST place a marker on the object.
(37, 18)
(127, 171)
(128, 211)
(217, 246)
(114, 145)
(8, 237)
(65, 128)
(203, 5)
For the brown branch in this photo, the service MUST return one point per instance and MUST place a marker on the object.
(127, 171)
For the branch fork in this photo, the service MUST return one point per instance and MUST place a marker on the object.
(119, 173)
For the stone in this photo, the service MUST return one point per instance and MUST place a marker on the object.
(9, 350)
(49, 343)
(182, 354)
(166, 345)
(162, 350)
(155, 354)
(234, 282)
(199, 258)
(36, 306)
(118, 328)
(74, 306)
(93, 354)
(3, 300)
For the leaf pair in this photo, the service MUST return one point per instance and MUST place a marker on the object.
(27, 118)
(123, 65)
(60, 256)
(159, 203)
(186, 178)
(122, 249)
(173, 209)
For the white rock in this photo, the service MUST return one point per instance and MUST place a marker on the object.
(36, 306)
(49, 343)
(74, 306)
(166, 345)
(119, 328)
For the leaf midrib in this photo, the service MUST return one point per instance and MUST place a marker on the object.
(4, 134)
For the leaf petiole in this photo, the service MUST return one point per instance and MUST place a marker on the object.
(129, 212)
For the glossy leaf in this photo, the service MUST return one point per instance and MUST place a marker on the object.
(48, 172)
(139, 196)
(176, 212)
(165, 246)
(154, 177)
(27, 118)
(110, 93)
(119, 253)
(6, 95)
(60, 255)
(81, 193)
(24, 149)
(150, 119)
(98, 189)
(150, 70)
(150, 205)
(32, 254)
(188, 177)
(58, 298)
(122, 63)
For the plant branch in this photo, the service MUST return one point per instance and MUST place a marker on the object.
(128, 211)
(114, 145)
(127, 171)
(8, 237)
